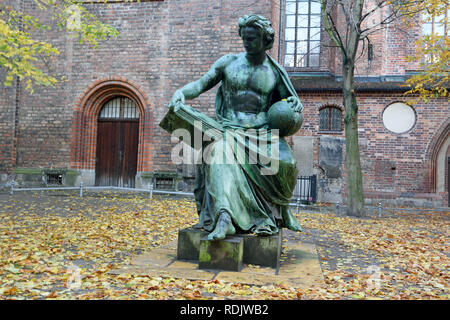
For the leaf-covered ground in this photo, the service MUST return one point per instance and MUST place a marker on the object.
(61, 246)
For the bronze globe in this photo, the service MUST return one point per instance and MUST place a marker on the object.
(281, 116)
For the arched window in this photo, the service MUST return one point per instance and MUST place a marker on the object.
(330, 119)
(119, 108)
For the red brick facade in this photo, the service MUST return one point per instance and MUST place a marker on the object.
(393, 165)
(168, 43)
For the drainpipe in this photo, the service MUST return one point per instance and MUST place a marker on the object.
(280, 26)
(16, 124)
(17, 104)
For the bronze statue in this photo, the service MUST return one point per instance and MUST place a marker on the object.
(239, 196)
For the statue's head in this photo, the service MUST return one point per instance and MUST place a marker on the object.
(260, 23)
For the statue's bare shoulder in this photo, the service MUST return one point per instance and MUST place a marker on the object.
(225, 61)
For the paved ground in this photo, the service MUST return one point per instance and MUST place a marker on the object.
(58, 245)
(299, 267)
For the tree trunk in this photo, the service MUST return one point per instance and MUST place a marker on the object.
(355, 199)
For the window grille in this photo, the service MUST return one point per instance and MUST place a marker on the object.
(330, 119)
(119, 108)
(302, 33)
(437, 26)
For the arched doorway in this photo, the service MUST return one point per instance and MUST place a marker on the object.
(447, 171)
(88, 115)
(442, 161)
(438, 155)
(117, 143)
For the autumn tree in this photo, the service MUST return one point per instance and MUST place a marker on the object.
(349, 24)
(432, 49)
(22, 55)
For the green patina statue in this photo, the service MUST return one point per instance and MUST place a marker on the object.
(241, 196)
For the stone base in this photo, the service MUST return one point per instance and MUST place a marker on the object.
(257, 250)
(223, 254)
(263, 251)
(189, 243)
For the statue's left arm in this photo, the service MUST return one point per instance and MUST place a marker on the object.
(284, 86)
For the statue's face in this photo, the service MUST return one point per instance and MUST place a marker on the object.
(253, 40)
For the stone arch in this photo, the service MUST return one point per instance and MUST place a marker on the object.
(87, 108)
(330, 105)
(436, 158)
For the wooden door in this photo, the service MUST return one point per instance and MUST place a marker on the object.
(117, 143)
(117, 146)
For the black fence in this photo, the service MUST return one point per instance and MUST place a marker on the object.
(306, 189)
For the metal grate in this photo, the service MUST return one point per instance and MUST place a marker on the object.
(324, 116)
(164, 183)
(119, 108)
(54, 178)
(305, 189)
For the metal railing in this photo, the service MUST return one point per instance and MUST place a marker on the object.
(151, 191)
(386, 211)
(306, 189)
(82, 188)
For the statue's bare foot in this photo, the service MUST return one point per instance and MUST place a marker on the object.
(224, 227)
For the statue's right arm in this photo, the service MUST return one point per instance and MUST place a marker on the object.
(207, 81)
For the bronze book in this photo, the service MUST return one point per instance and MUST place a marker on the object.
(195, 122)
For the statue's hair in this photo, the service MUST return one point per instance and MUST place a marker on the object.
(261, 23)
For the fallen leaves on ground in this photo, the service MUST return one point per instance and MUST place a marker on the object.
(63, 246)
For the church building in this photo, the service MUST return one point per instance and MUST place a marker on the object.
(100, 125)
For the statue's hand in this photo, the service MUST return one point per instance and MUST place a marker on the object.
(295, 103)
(178, 97)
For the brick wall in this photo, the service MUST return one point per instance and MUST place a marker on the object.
(162, 46)
(393, 165)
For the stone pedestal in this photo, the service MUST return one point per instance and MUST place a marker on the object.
(223, 254)
(238, 249)
(189, 243)
(263, 251)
